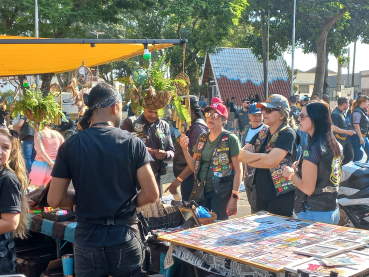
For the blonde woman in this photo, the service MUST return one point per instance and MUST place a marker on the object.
(13, 204)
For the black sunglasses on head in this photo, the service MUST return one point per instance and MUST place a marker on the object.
(14, 133)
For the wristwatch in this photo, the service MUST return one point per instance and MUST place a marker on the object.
(234, 195)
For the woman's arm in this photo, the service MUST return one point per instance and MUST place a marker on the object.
(9, 222)
(39, 146)
(184, 144)
(310, 175)
(358, 132)
(272, 159)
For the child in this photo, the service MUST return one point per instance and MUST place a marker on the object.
(13, 204)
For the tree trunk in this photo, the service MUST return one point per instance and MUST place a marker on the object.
(264, 39)
(321, 62)
(326, 85)
(46, 82)
(21, 78)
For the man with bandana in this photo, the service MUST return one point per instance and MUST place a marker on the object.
(155, 134)
(106, 166)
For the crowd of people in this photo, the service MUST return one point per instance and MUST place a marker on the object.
(288, 152)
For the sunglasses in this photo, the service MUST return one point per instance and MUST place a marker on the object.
(15, 134)
(268, 110)
(212, 115)
(303, 116)
(247, 102)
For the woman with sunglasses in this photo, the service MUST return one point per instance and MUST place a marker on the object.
(217, 171)
(268, 152)
(318, 172)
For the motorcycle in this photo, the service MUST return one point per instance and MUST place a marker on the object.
(353, 195)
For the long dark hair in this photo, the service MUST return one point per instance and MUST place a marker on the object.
(318, 113)
(257, 98)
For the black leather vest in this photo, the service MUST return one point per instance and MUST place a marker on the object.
(324, 197)
(179, 160)
(26, 130)
(342, 124)
(222, 170)
(140, 127)
(363, 121)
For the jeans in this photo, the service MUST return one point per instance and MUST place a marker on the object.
(123, 260)
(331, 217)
(359, 149)
(213, 202)
(29, 153)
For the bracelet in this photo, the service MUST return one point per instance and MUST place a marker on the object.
(290, 177)
(179, 179)
(235, 192)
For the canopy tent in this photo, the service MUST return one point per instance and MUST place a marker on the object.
(29, 56)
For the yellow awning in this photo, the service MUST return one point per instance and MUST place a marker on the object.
(53, 57)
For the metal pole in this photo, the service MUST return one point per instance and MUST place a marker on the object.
(353, 67)
(267, 63)
(97, 68)
(293, 44)
(36, 34)
(348, 69)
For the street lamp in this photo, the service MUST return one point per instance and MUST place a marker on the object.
(97, 36)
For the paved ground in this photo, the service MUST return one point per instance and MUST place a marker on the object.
(243, 205)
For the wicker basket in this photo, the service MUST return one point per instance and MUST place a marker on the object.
(32, 117)
(159, 101)
(208, 220)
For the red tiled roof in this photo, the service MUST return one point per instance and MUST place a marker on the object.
(229, 88)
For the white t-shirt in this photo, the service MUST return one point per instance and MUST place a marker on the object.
(251, 133)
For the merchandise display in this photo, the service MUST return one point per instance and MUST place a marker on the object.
(266, 241)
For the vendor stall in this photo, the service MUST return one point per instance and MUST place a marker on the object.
(267, 245)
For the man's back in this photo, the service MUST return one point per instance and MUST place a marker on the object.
(102, 163)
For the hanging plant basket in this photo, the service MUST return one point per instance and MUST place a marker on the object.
(158, 101)
(182, 87)
(33, 117)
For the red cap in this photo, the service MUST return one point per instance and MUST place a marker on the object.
(216, 100)
(219, 108)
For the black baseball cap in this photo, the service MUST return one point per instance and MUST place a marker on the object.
(246, 99)
(233, 97)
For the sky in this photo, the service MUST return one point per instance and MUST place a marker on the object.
(305, 62)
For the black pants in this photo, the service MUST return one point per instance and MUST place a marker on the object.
(186, 187)
(213, 202)
(348, 151)
(7, 254)
(280, 205)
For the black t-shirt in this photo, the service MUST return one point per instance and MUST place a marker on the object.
(10, 192)
(263, 180)
(102, 163)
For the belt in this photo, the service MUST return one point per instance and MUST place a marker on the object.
(115, 221)
(364, 136)
(339, 137)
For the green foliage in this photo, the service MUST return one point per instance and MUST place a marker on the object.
(182, 110)
(34, 101)
(157, 73)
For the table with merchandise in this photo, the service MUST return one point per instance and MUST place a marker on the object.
(267, 245)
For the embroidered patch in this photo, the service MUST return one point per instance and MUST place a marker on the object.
(200, 145)
(138, 127)
(218, 175)
(198, 156)
(144, 140)
(217, 168)
(306, 153)
(223, 144)
(225, 167)
(241, 114)
(336, 171)
(215, 161)
(223, 159)
(262, 135)
(203, 138)
(225, 138)
(140, 135)
(223, 149)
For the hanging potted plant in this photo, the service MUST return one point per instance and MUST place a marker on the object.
(38, 109)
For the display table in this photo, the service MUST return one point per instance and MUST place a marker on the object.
(258, 245)
(59, 230)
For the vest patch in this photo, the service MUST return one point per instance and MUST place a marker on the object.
(200, 145)
(336, 171)
(138, 127)
(223, 158)
(306, 153)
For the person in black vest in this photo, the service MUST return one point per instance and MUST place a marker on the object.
(107, 167)
(360, 121)
(181, 170)
(27, 136)
(270, 150)
(317, 174)
(341, 130)
(217, 171)
(155, 134)
(241, 118)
